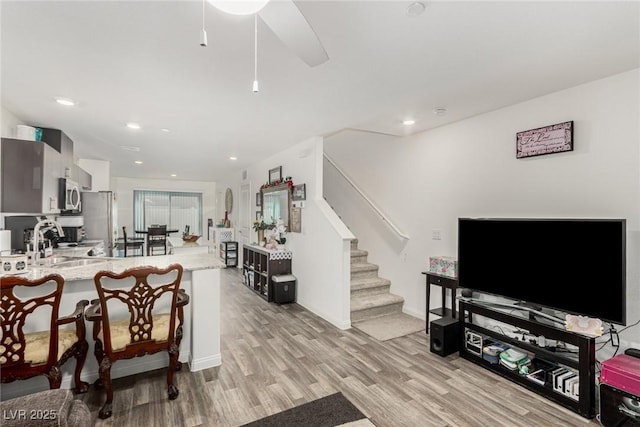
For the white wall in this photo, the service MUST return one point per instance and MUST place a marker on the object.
(426, 181)
(9, 121)
(321, 259)
(100, 171)
(123, 188)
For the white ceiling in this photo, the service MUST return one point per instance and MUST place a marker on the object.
(141, 61)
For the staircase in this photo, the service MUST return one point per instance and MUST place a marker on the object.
(370, 297)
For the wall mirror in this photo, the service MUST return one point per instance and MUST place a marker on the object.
(276, 203)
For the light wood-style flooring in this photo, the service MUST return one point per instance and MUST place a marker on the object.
(277, 357)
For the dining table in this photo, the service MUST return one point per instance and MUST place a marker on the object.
(169, 231)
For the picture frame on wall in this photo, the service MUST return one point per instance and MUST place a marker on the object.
(545, 140)
(258, 215)
(299, 192)
(258, 199)
(275, 174)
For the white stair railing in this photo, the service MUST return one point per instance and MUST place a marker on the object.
(373, 206)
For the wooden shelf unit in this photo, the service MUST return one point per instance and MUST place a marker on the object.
(582, 362)
(260, 265)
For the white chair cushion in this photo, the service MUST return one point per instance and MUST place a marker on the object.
(120, 335)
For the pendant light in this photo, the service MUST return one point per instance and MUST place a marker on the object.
(255, 54)
(203, 32)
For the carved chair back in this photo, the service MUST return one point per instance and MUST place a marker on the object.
(139, 295)
(17, 317)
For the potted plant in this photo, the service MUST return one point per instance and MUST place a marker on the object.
(259, 226)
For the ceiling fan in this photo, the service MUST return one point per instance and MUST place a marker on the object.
(286, 21)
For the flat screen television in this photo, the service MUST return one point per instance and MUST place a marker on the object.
(576, 266)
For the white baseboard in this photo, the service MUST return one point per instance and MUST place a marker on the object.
(340, 324)
(414, 313)
(205, 362)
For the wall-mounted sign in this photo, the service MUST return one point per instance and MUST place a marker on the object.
(549, 139)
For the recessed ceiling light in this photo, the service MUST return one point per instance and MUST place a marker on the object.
(408, 122)
(173, 175)
(66, 102)
(138, 162)
(416, 8)
(233, 158)
(132, 125)
(130, 148)
(165, 130)
(439, 111)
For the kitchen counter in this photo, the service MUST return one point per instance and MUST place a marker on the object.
(189, 262)
(200, 346)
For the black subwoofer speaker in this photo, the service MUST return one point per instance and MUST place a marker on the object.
(444, 338)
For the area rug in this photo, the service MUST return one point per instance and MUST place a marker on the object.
(393, 326)
(330, 411)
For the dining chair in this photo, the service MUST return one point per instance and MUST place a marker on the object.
(124, 243)
(138, 312)
(27, 351)
(156, 239)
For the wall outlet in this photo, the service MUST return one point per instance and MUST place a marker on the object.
(436, 234)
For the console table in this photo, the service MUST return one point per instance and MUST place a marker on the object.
(445, 282)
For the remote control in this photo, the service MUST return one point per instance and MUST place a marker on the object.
(632, 352)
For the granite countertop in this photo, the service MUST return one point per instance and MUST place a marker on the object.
(189, 262)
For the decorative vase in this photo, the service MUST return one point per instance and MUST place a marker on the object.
(260, 237)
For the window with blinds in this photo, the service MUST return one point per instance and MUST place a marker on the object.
(175, 209)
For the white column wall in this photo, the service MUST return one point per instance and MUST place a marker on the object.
(321, 258)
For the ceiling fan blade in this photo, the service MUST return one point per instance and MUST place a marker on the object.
(289, 24)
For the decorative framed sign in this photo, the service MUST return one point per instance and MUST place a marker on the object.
(299, 192)
(275, 174)
(258, 215)
(546, 140)
(258, 199)
(296, 220)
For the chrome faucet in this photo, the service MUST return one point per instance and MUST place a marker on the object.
(41, 227)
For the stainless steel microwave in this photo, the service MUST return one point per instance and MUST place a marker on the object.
(69, 195)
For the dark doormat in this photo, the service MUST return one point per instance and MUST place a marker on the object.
(328, 411)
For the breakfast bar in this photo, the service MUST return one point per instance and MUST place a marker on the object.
(200, 346)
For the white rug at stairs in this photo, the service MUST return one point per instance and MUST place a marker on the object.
(393, 326)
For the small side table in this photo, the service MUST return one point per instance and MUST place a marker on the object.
(445, 282)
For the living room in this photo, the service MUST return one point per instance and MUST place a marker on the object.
(423, 181)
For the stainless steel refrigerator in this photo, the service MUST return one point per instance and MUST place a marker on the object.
(100, 218)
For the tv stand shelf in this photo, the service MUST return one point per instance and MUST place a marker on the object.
(582, 362)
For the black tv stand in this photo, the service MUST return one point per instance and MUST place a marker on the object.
(581, 362)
